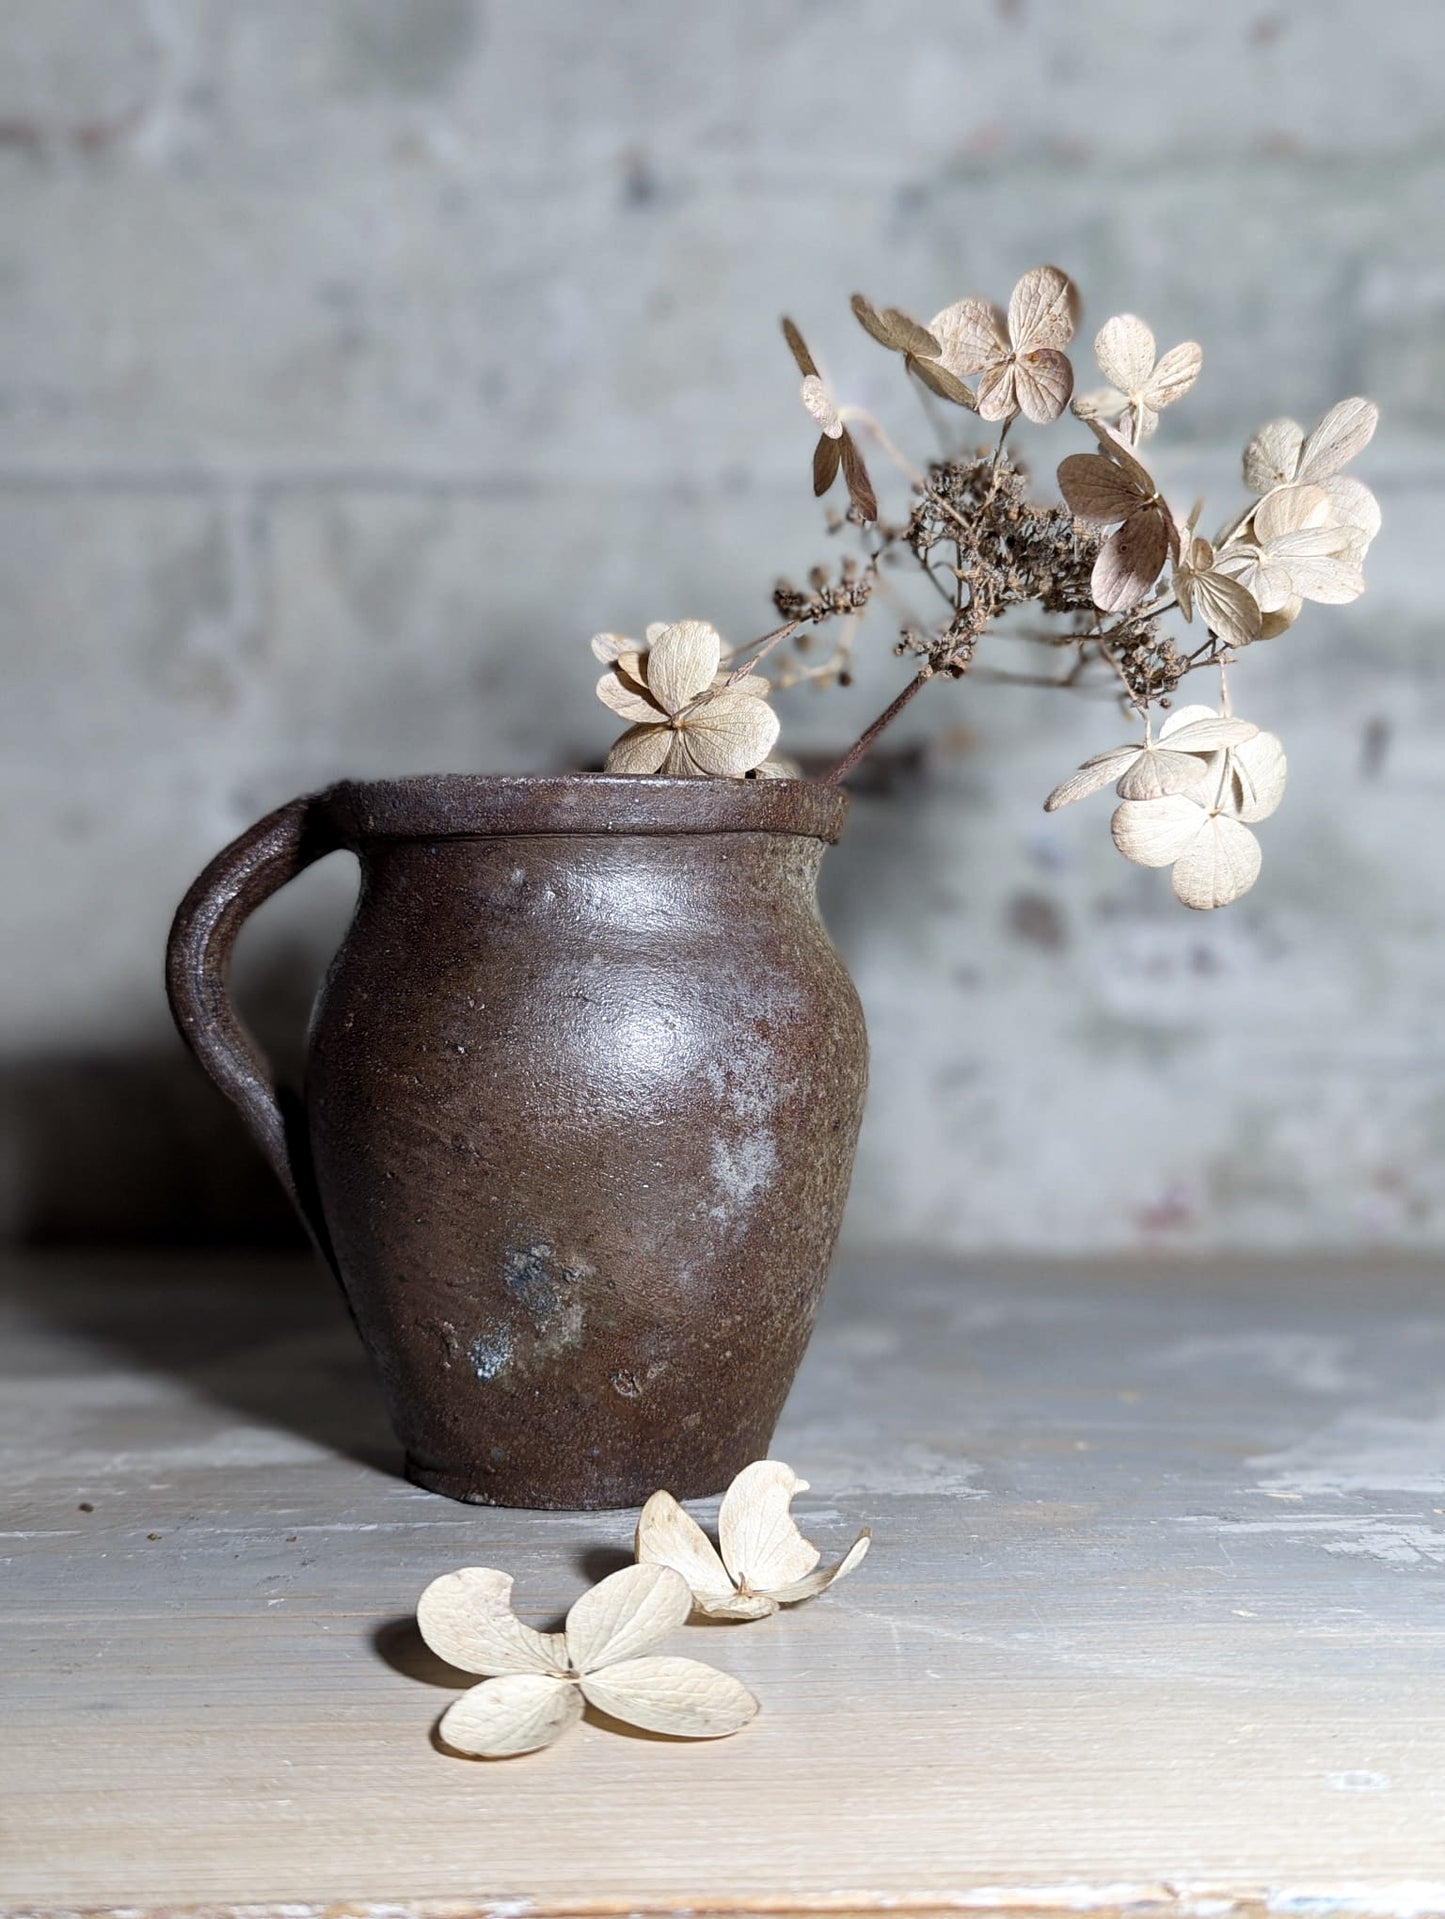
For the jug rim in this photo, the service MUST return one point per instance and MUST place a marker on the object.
(431, 806)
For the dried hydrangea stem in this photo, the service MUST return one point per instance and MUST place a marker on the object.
(886, 718)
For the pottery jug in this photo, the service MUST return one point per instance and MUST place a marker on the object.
(582, 1095)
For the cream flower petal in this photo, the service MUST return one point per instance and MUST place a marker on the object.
(1204, 730)
(1258, 772)
(655, 631)
(466, 1618)
(1353, 505)
(1227, 608)
(1272, 457)
(1125, 349)
(997, 399)
(819, 402)
(682, 663)
(1290, 509)
(1041, 310)
(1092, 776)
(739, 1606)
(625, 1614)
(1156, 832)
(628, 701)
(682, 1697)
(731, 733)
(1158, 771)
(502, 1717)
(1220, 863)
(1175, 374)
(762, 1547)
(1334, 441)
(1043, 381)
(679, 764)
(611, 646)
(667, 1536)
(972, 334)
(1182, 716)
(816, 1582)
(642, 750)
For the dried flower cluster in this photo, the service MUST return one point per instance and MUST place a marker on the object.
(1109, 560)
(537, 1684)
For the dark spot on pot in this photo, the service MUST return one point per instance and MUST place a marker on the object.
(542, 1285)
(85, 1507)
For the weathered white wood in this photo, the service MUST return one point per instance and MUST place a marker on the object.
(1155, 1611)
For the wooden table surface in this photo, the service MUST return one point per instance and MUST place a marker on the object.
(1154, 1616)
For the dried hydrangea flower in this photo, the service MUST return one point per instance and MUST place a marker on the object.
(1141, 386)
(1283, 454)
(1111, 488)
(836, 449)
(1202, 833)
(536, 1683)
(1177, 762)
(685, 721)
(1020, 355)
(1294, 549)
(1223, 603)
(922, 352)
(764, 1562)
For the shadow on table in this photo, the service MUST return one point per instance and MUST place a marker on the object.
(267, 1339)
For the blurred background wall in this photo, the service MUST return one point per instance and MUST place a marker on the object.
(359, 358)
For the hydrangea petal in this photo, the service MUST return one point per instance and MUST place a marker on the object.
(816, 1582)
(1103, 770)
(682, 663)
(667, 1536)
(1175, 374)
(466, 1618)
(1258, 772)
(627, 700)
(1097, 489)
(1220, 863)
(971, 334)
(626, 1614)
(1272, 457)
(1042, 309)
(1125, 348)
(503, 1717)
(681, 1697)
(1130, 561)
(1043, 381)
(1334, 440)
(762, 1547)
(731, 733)
(641, 750)
(1158, 771)
(1156, 832)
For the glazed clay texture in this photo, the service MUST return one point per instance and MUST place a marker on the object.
(582, 1097)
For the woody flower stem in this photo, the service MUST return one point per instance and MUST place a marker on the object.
(886, 718)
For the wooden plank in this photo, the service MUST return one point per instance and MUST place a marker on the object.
(1152, 1621)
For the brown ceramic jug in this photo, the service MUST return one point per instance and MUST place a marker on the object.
(582, 1096)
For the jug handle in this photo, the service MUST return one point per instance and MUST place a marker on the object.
(198, 964)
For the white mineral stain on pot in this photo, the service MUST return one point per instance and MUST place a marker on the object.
(741, 1173)
(491, 1354)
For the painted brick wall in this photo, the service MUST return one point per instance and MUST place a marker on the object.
(359, 358)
